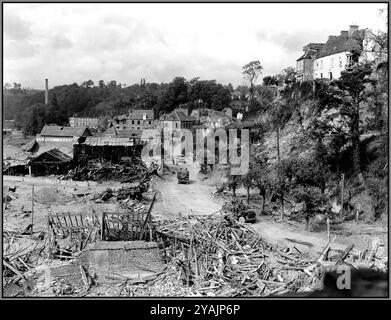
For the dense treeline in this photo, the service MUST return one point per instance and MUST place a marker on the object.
(108, 99)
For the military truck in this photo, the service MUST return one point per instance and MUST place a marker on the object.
(183, 175)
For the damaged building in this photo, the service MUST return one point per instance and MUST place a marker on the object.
(50, 162)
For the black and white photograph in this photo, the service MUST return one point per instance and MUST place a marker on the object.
(195, 151)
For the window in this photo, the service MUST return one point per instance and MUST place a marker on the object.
(138, 121)
(331, 76)
(132, 121)
(332, 63)
(321, 75)
(340, 62)
(321, 64)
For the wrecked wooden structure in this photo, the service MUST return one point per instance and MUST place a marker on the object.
(71, 233)
(108, 148)
(50, 162)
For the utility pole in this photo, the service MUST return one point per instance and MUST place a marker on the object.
(279, 171)
(32, 209)
(342, 190)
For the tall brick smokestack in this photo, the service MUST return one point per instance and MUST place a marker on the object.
(46, 91)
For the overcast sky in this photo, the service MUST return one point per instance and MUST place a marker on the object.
(69, 43)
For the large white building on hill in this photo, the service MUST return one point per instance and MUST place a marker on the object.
(339, 53)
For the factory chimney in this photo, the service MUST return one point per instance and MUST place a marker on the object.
(46, 92)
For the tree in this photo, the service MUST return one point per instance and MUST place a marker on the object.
(261, 178)
(350, 92)
(175, 95)
(89, 83)
(52, 114)
(312, 198)
(112, 84)
(251, 71)
(270, 81)
(290, 75)
(101, 84)
(34, 119)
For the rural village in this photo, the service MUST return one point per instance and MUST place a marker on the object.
(85, 216)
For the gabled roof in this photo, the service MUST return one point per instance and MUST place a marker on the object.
(342, 43)
(308, 54)
(59, 131)
(53, 155)
(109, 141)
(139, 113)
(176, 115)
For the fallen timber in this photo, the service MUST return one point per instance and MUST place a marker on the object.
(226, 258)
(103, 170)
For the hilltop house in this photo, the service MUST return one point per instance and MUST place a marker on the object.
(328, 60)
(339, 53)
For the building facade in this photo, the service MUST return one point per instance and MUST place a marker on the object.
(135, 120)
(176, 120)
(339, 53)
(328, 60)
(84, 122)
(305, 64)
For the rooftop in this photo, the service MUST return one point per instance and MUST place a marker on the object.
(109, 141)
(341, 43)
(176, 115)
(139, 113)
(59, 131)
(53, 154)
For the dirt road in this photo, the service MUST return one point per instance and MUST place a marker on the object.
(185, 199)
(196, 198)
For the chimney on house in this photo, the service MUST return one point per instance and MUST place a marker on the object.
(352, 28)
(46, 92)
(344, 34)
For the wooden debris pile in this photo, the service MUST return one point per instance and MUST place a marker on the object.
(123, 194)
(225, 258)
(102, 170)
(70, 233)
(21, 253)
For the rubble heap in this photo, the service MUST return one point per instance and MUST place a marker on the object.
(226, 258)
(102, 170)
